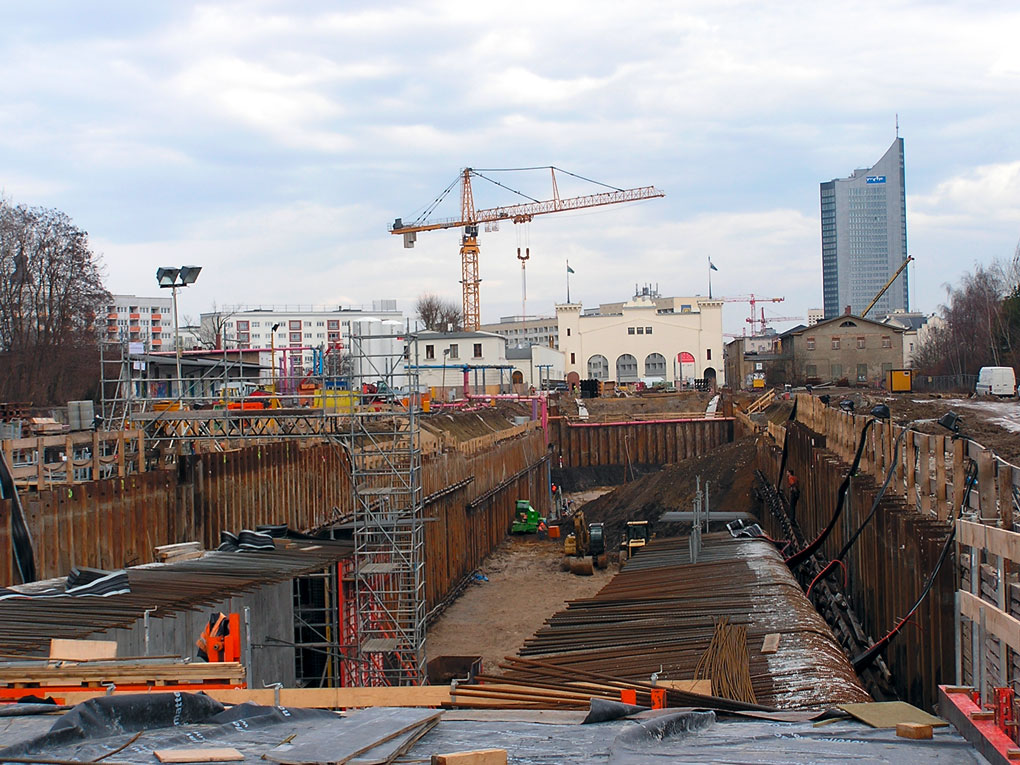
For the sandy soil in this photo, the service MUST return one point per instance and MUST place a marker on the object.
(526, 586)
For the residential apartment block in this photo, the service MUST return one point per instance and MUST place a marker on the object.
(147, 320)
(299, 333)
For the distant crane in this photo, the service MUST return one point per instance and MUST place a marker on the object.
(763, 321)
(753, 300)
(519, 213)
(888, 284)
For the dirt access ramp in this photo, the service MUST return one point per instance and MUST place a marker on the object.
(728, 470)
(635, 406)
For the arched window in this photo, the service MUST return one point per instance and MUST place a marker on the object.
(655, 365)
(598, 368)
(626, 369)
(847, 324)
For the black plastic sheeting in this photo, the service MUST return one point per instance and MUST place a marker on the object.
(99, 726)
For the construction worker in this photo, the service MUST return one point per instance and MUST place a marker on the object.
(794, 492)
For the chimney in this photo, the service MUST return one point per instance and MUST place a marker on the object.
(846, 312)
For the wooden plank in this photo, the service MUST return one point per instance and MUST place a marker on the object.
(941, 507)
(996, 541)
(999, 624)
(987, 512)
(771, 643)
(354, 735)
(1005, 478)
(476, 757)
(82, 650)
(216, 754)
(914, 730)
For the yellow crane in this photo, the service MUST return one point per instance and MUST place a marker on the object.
(517, 213)
(888, 284)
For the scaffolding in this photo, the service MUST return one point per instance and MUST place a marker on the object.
(384, 445)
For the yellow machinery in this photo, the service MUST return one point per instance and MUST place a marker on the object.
(888, 284)
(576, 543)
(635, 537)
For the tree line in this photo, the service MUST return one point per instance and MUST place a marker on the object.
(980, 323)
(51, 293)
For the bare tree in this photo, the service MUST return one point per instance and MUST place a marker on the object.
(51, 291)
(212, 332)
(437, 314)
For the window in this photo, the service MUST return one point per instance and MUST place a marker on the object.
(573, 358)
(862, 373)
(860, 343)
(811, 370)
(810, 341)
(708, 354)
(568, 331)
(685, 309)
(319, 335)
(454, 351)
(478, 350)
(626, 368)
(630, 330)
(320, 324)
(655, 365)
(648, 330)
(430, 351)
(847, 324)
(242, 326)
(295, 338)
(640, 330)
(598, 367)
(886, 369)
(837, 371)
(333, 324)
(835, 343)
(887, 342)
(294, 325)
(308, 335)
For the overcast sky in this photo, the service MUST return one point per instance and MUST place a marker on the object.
(273, 142)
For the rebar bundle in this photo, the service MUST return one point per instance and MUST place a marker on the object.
(727, 664)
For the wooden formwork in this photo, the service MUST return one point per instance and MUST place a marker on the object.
(117, 522)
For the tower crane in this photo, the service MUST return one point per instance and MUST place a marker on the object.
(753, 300)
(889, 283)
(518, 213)
(763, 321)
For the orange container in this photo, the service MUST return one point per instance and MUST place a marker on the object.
(554, 532)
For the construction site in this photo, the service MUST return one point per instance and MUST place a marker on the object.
(343, 564)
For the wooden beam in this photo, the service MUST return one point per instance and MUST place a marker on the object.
(476, 757)
(63, 649)
(998, 623)
(997, 541)
(219, 754)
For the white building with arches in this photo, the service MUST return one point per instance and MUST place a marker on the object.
(650, 338)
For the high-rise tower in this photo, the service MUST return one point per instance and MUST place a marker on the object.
(864, 237)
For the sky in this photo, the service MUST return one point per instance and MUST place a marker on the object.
(272, 143)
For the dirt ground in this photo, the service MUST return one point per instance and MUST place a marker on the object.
(526, 586)
(727, 469)
(652, 403)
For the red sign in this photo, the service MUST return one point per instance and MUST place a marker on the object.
(685, 358)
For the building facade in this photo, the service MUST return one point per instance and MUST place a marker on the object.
(146, 320)
(305, 336)
(864, 237)
(847, 349)
(454, 364)
(536, 366)
(538, 330)
(676, 340)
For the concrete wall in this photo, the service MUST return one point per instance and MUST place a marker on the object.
(272, 616)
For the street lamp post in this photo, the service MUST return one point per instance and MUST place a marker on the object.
(272, 353)
(172, 278)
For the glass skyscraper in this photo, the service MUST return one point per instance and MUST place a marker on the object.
(864, 237)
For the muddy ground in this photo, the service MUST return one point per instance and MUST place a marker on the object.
(636, 404)
(526, 586)
(727, 469)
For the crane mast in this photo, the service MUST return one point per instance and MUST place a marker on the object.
(517, 213)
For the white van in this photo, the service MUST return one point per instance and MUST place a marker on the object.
(996, 381)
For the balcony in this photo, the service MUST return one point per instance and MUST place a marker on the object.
(135, 316)
(157, 316)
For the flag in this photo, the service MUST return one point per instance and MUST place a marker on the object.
(569, 269)
(711, 265)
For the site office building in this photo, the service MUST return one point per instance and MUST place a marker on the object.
(673, 339)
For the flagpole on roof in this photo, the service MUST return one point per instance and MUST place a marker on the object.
(568, 282)
(709, 277)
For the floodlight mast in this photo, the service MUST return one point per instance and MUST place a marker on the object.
(171, 278)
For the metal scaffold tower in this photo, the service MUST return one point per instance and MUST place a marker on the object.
(385, 451)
